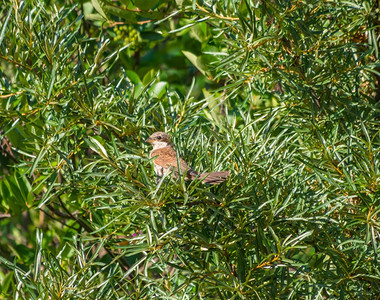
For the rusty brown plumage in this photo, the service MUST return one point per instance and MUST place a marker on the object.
(166, 160)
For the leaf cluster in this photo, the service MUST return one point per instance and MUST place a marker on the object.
(283, 94)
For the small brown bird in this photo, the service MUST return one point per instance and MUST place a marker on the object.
(166, 161)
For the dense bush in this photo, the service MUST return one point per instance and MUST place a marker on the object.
(284, 94)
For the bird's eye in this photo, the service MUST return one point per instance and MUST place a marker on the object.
(158, 138)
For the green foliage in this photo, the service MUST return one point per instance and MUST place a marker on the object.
(285, 94)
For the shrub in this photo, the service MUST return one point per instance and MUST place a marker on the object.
(285, 95)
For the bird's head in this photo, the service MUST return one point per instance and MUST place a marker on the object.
(159, 140)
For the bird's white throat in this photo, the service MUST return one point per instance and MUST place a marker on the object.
(159, 145)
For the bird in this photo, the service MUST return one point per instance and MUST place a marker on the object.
(165, 161)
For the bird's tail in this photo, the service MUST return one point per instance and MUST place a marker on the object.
(214, 177)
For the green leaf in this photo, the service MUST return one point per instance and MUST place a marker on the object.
(98, 6)
(98, 147)
(6, 283)
(151, 36)
(213, 103)
(94, 17)
(158, 89)
(196, 61)
(50, 187)
(146, 4)
(133, 77)
(4, 26)
(128, 16)
(199, 32)
(149, 77)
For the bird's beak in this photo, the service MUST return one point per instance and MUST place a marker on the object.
(148, 140)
